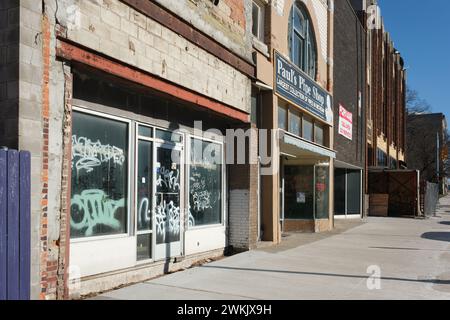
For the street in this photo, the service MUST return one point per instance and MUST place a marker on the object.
(411, 256)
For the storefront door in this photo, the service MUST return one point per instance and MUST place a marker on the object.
(168, 214)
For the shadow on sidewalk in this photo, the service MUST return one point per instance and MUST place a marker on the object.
(433, 281)
(446, 223)
(438, 236)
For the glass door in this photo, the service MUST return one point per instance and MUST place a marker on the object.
(144, 224)
(168, 200)
(321, 191)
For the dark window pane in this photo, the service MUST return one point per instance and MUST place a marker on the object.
(145, 131)
(255, 22)
(99, 176)
(354, 192)
(318, 134)
(322, 192)
(205, 183)
(294, 122)
(339, 192)
(168, 136)
(144, 247)
(299, 192)
(144, 185)
(307, 127)
(282, 118)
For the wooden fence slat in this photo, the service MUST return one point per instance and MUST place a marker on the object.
(25, 225)
(3, 222)
(13, 225)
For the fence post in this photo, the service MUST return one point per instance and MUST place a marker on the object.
(13, 225)
(3, 222)
(25, 225)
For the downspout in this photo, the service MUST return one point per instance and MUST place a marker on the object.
(330, 63)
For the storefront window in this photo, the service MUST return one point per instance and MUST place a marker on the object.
(282, 118)
(307, 126)
(318, 134)
(322, 192)
(294, 122)
(99, 183)
(205, 183)
(299, 192)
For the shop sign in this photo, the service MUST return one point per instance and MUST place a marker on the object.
(298, 88)
(345, 123)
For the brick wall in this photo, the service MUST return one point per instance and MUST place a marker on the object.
(349, 79)
(9, 72)
(243, 201)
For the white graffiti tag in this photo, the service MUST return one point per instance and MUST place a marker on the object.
(144, 212)
(96, 209)
(191, 219)
(92, 154)
(201, 200)
(167, 216)
(169, 179)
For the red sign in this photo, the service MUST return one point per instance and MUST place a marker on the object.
(345, 123)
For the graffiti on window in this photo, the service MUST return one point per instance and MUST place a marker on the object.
(93, 207)
(99, 176)
(205, 184)
(88, 154)
(167, 209)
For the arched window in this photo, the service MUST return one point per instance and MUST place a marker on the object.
(302, 42)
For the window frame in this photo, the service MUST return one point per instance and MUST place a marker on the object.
(286, 117)
(319, 125)
(187, 185)
(310, 120)
(261, 20)
(309, 40)
(291, 112)
(155, 143)
(130, 177)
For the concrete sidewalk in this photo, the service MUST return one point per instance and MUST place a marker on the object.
(412, 255)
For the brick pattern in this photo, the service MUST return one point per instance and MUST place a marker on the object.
(9, 72)
(119, 31)
(243, 202)
(388, 92)
(49, 267)
(227, 22)
(236, 12)
(64, 244)
(349, 79)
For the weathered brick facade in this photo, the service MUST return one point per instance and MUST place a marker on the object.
(204, 61)
(350, 85)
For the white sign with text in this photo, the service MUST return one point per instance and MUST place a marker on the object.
(345, 123)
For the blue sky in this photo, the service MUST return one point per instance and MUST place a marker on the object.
(421, 32)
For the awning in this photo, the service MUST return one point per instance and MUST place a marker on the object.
(344, 165)
(294, 142)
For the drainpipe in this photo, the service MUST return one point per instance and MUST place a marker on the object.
(330, 63)
(330, 46)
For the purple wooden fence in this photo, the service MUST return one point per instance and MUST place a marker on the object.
(15, 229)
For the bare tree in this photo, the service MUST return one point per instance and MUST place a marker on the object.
(415, 104)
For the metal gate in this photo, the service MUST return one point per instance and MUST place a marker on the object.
(15, 230)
